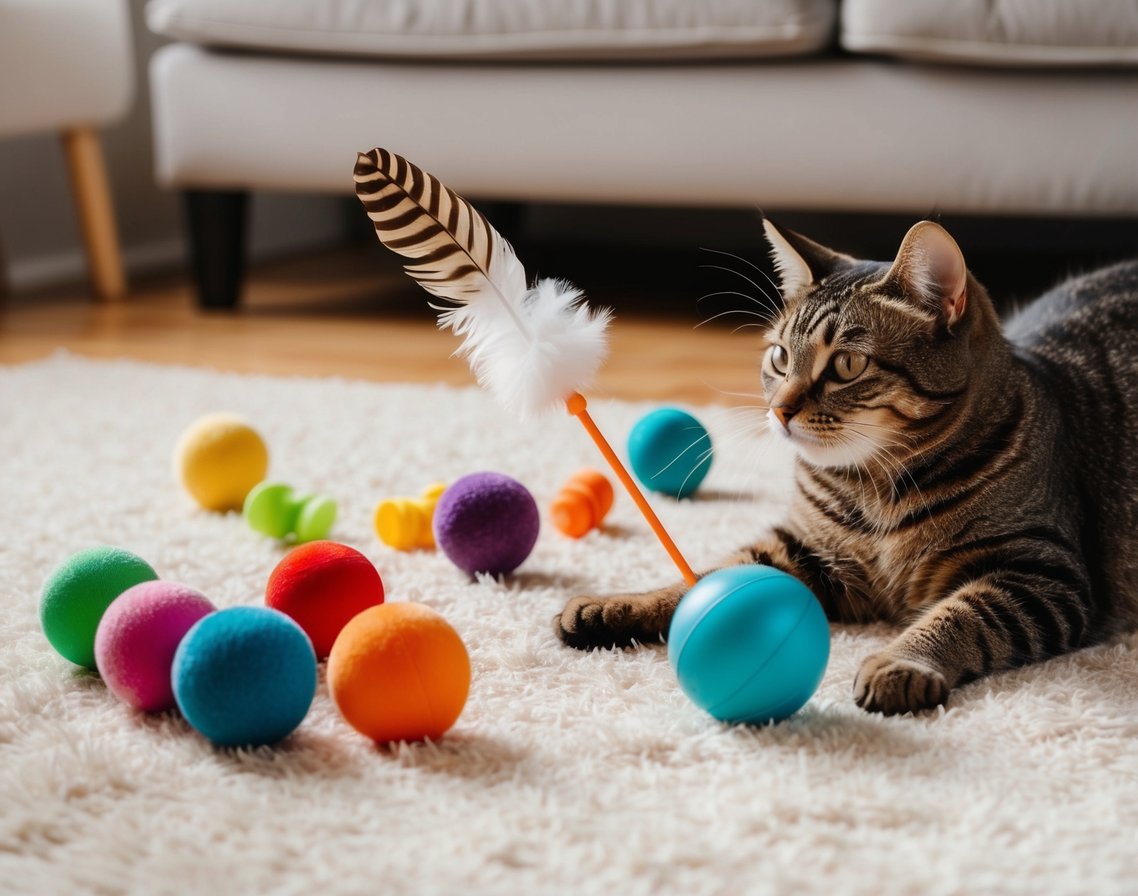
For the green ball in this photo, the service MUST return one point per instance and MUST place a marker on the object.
(78, 593)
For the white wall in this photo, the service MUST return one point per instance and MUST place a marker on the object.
(38, 228)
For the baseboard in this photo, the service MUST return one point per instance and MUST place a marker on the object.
(303, 227)
(67, 267)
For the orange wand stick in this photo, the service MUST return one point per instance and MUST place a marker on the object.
(578, 407)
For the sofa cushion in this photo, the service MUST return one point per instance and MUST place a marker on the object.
(995, 32)
(505, 29)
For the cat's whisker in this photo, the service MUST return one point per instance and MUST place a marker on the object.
(753, 395)
(747, 262)
(724, 441)
(898, 440)
(763, 320)
(734, 292)
(904, 473)
(703, 435)
(719, 267)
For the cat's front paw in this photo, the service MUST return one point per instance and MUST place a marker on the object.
(893, 685)
(590, 622)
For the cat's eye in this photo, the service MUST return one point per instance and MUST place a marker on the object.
(779, 359)
(849, 365)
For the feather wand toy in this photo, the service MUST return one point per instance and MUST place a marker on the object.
(533, 348)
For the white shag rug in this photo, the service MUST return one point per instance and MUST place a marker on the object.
(567, 772)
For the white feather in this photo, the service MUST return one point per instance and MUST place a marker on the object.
(531, 348)
(556, 351)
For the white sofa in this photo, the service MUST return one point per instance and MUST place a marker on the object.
(965, 106)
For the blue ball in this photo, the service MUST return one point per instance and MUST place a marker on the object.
(670, 452)
(245, 676)
(749, 644)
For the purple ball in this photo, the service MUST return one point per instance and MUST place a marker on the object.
(486, 523)
(138, 636)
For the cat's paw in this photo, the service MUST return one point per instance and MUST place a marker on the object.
(893, 685)
(591, 622)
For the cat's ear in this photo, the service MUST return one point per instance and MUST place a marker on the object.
(930, 269)
(799, 261)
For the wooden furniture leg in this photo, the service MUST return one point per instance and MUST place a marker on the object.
(96, 212)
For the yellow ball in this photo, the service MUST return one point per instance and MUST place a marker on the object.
(219, 459)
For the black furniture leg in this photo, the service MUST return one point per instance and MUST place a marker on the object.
(217, 244)
(508, 218)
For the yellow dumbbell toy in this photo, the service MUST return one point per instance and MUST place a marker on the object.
(405, 523)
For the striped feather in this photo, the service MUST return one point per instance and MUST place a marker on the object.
(456, 254)
(530, 347)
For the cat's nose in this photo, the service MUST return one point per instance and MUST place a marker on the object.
(785, 412)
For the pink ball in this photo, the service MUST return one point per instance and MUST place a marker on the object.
(137, 638)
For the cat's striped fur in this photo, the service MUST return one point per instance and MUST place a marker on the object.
(978, 484)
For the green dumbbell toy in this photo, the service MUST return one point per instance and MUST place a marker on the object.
(274, 509)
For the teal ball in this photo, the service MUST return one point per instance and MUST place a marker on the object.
(670, 452)
(77, 594)
(749, 644)
(245, 676)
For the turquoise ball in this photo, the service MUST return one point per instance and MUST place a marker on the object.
(245, 676)
(749, 644)
(670, 452)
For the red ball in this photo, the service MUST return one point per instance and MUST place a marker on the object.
(323, 585)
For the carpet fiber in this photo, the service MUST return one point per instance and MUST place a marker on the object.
(567, 771)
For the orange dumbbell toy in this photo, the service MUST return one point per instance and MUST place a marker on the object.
(582, 503)
(406, 523)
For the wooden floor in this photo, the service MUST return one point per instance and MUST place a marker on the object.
(351, 312)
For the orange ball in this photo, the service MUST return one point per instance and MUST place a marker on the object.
(399, 672)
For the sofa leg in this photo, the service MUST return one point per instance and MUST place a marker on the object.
(217, 244)
(96, 212)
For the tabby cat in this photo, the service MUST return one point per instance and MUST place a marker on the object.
(974, 483)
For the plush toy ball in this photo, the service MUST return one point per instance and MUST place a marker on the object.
(245, 676)
(486, 523)
(670, 452)
(322, 585)
(77, 594)
(399, 672)
(749, 644)
(219, 459)
(138, 636)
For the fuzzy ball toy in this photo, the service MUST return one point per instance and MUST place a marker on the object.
(322, 586)
(245, 676)
(77, 594)
(487, 523)
(399, 672)
(138, 636)
(218, 459)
